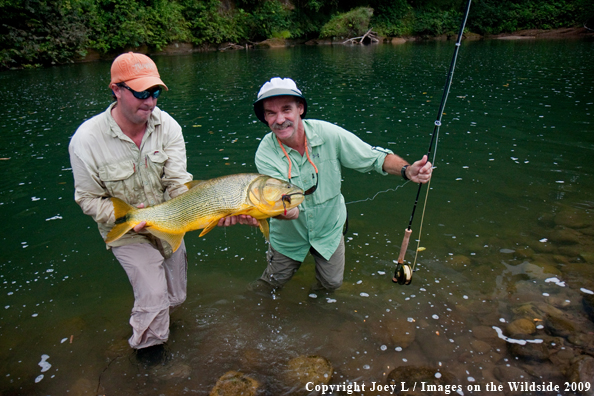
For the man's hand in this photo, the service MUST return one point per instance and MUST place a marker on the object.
(140, 226)
(292, 214)
(420, 171)
(241, 219)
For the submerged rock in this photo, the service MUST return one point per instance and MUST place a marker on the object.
(557, 326)
(588, 303)
(573, 219)
(395, 333)
(510, 373)
(409, 375)
(304, 369)
(521, 327)
(567, 236)
(458, 262)
(233, 383)
(581, 373)
(530, 351)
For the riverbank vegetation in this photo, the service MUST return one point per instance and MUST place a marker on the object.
(45, 32)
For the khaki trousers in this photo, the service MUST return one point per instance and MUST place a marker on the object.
(329, 273)
(159, 284)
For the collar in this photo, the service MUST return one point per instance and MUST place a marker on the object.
(116, 131)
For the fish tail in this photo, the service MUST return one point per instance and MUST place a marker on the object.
(123, 224)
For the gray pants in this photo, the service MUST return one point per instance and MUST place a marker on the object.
(329, 273)
(158, 283)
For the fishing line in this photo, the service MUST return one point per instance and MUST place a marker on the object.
(403, 272)
(378, 193)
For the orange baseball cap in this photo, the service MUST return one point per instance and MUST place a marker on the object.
(138, 71)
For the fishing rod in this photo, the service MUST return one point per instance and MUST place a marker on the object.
(403, 272)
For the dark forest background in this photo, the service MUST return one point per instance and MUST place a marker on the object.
(44, 32)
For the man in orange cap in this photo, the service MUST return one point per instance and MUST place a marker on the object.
(136, 152)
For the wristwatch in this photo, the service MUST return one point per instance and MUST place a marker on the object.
(403, 172)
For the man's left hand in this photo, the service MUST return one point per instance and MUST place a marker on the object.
(241, 219)
(420, 171)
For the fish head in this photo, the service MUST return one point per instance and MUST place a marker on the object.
(274, 196)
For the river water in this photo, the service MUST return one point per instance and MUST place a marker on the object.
(507, 248)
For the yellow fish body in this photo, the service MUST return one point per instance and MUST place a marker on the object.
(205, 203)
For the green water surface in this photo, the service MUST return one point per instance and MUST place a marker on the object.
(515, 150)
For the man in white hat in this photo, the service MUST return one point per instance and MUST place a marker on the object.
(310, 154)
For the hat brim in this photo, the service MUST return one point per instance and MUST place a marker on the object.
(144, 83)
(259, 104)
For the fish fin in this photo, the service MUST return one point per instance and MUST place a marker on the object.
(122, 224)
(193, 183)
(174, 240)
(209, 227)
(264, 228)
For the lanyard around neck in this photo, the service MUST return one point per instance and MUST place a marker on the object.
(289, 158)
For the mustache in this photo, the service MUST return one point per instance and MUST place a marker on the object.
(282, 126)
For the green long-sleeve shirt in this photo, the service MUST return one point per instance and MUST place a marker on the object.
(323, 213)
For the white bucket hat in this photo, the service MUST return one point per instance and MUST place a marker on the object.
(277, 87)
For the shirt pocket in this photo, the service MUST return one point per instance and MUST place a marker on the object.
(156, 161)
(330, 175)
(119, 180)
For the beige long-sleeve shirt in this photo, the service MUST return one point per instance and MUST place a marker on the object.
(106, 163)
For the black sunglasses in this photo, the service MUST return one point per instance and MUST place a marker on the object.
(313, 188)
(155, 92)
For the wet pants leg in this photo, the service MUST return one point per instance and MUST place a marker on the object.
(281, 268)
(158, 283)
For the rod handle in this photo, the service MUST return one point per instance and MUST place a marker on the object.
(404, 246)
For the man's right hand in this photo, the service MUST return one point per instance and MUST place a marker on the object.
(140, 226)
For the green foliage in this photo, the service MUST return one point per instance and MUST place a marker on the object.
(500, 16)
(392, 17)
(349, 24)
(36, 32)
(210, 22)
(44, 32)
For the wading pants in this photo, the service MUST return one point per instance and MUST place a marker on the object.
(158, 283)
(329, 273)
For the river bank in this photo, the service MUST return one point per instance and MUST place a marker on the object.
(185, 48)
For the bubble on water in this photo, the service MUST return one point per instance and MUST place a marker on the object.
(39, 378)
(63, 340)
(366, 367)
(438, 375)
(313, 295)
(330, 300)
(383, 347)
(381, 272)
(44, 364)
(398, 349)
(35, 199)
(35, 315)
(410, 320)
(543, 240)
(435, 317)
(584, 290)
(359, 282)
(470, 379)
(56, 217)
(364, 294)
(465, 297)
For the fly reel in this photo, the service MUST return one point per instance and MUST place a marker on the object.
(403, 274)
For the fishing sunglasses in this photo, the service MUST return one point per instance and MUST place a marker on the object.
(154, 92)
(313, 188)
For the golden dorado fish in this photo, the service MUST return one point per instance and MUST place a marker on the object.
(205, 203)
